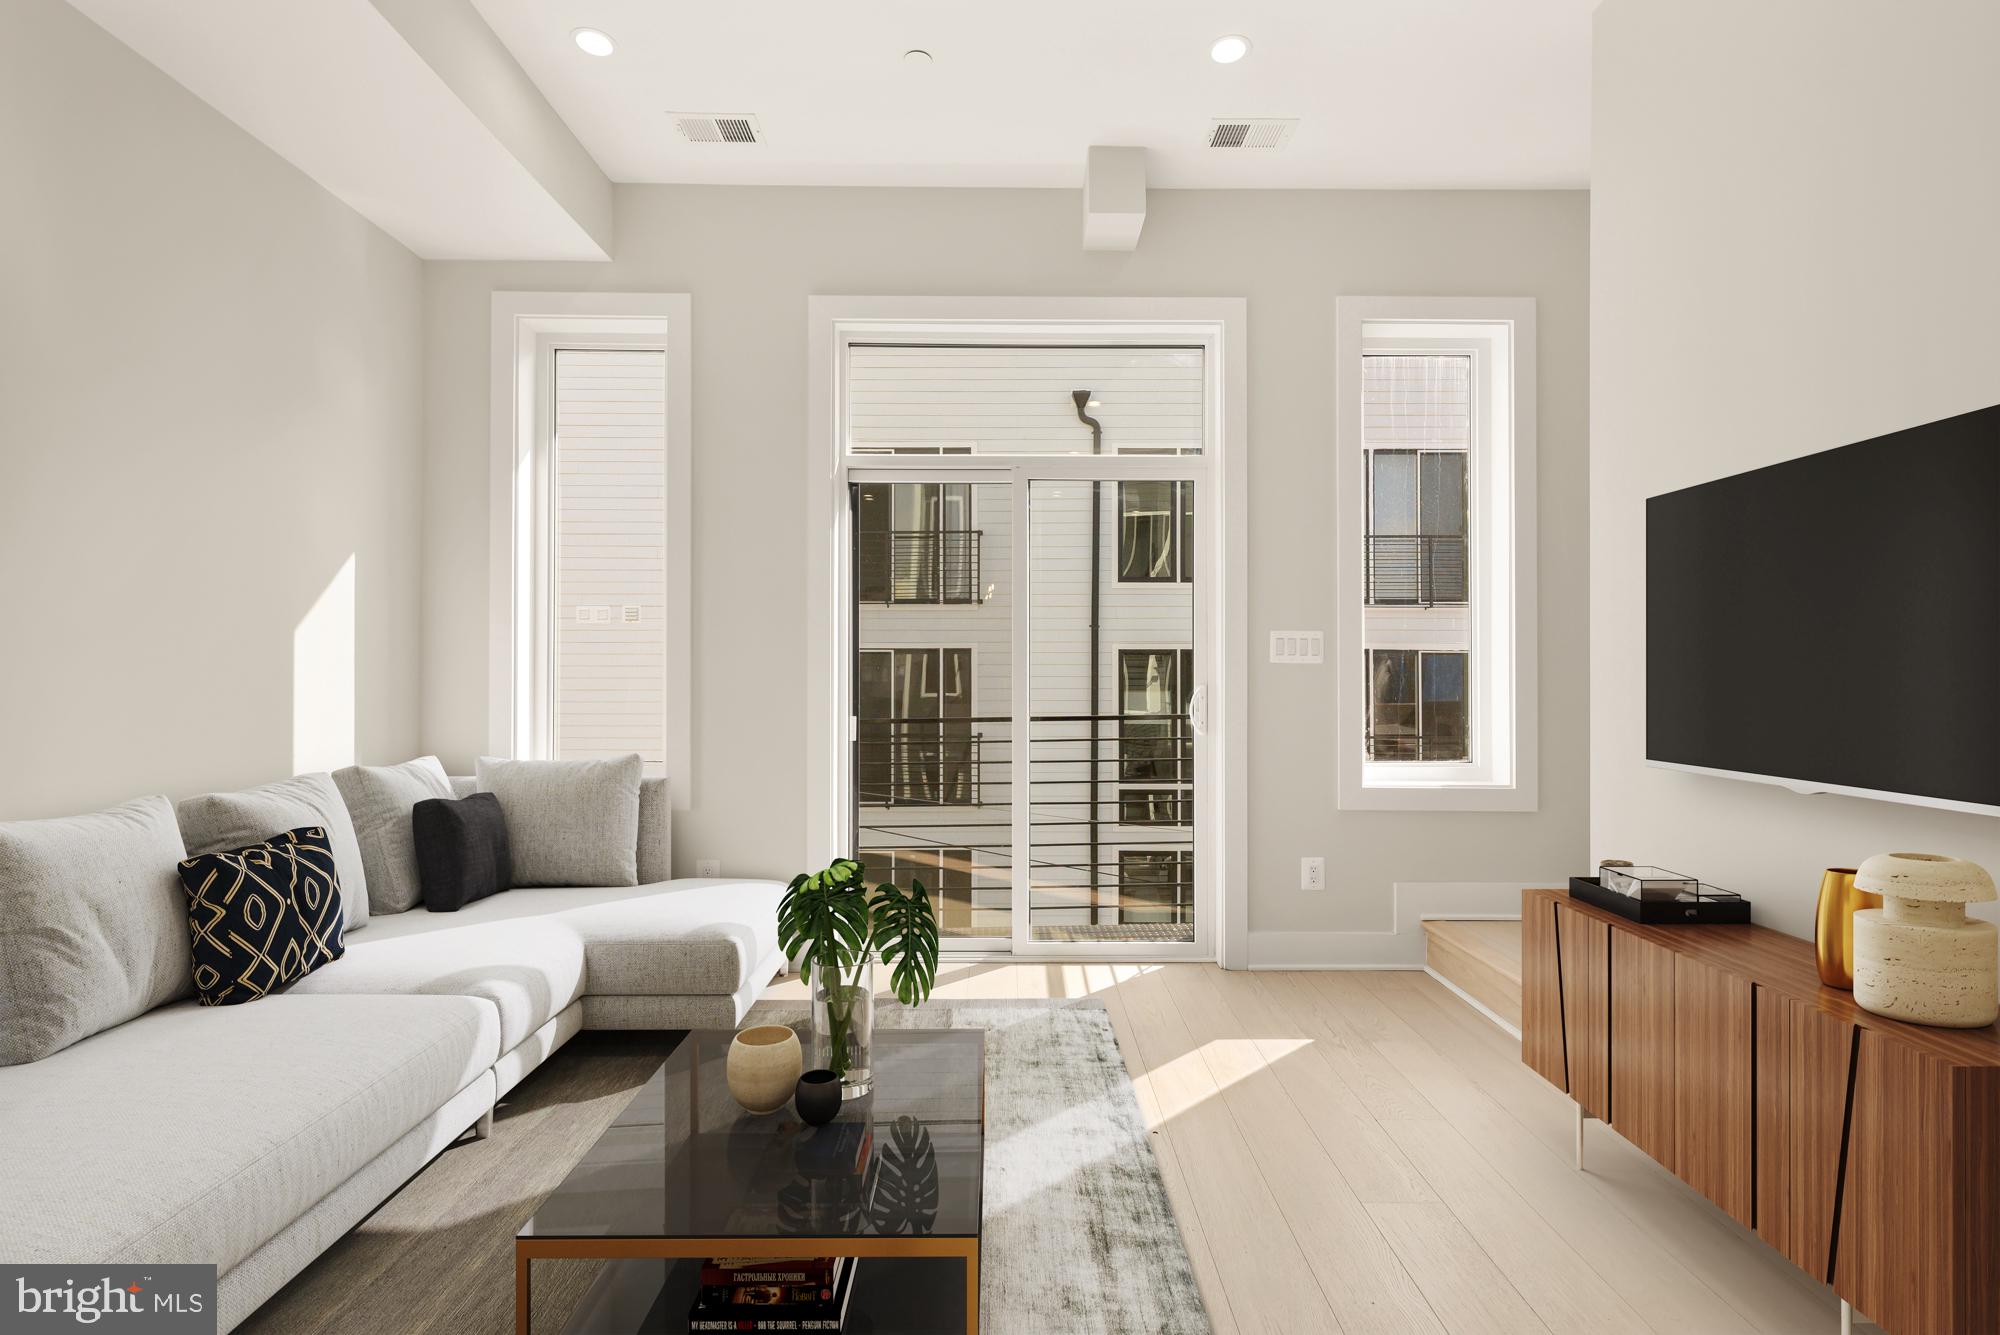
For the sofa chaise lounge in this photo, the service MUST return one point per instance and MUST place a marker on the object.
(254, 1136)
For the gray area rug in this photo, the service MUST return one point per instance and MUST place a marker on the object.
(1079, 1238)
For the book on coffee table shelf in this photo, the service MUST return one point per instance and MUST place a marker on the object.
(776, 1306)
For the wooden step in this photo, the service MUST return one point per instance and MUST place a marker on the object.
(1481, 959)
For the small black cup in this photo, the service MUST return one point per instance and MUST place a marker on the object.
(817, 1097)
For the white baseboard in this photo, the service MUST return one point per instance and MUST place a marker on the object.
(1400, 945)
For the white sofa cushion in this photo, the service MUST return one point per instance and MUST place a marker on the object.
(225, 822)
(93, 925)
(675, 938)
(569, 822)
(530, 971)
(196, 1134)
(379, 798)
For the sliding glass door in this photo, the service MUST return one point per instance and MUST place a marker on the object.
(1031, 640)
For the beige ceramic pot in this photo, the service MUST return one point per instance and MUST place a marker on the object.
(764, 1065)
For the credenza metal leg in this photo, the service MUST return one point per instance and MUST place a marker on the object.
(1846, 1317)
(1578, 1107)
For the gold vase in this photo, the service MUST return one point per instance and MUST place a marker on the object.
(1834, 927)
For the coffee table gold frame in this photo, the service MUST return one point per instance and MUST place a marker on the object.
(527, 1250)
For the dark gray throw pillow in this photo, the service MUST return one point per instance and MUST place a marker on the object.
(462, 852)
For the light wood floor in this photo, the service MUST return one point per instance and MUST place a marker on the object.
(1346, 1152)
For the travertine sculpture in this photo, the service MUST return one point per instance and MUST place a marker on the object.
(1918, 957)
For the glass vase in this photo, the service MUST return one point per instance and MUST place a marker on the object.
(844, 1033)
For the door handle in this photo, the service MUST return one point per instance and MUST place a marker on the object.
(1198, 711)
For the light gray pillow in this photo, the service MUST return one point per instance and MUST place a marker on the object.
(379, 798)
(656, 832)
(93, 925)
(225, 822)
(569, 822)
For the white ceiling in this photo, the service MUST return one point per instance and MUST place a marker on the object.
(1389, 93)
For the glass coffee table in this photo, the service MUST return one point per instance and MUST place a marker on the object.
(686, 1174)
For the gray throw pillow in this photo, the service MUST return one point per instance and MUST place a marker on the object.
(225, 822)
(379, 798)
(569, 822)
(93, 925)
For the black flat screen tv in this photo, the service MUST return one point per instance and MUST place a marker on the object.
(1832, 623)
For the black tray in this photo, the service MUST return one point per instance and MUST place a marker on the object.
(1709, 906)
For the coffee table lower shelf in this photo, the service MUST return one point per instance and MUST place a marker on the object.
(905, 1292)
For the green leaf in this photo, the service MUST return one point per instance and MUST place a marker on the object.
(906, 932)
(824, 922)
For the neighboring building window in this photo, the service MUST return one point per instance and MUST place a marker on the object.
(1416, 705)
(1155, 743)
(1416, 527)
(946, 874)
(914, 542)
(1155, 885)
(914, 743)
(1156, 806)
(1156, 533)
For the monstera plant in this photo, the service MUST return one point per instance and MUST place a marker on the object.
(835, 925)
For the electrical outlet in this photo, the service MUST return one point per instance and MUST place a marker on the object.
(708, 867)
(1312, 873)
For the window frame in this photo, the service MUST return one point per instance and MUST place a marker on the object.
(1501, 677)
(527, 328)
(1220, 324)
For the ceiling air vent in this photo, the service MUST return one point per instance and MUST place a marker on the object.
(1251, 131)
(702, 128)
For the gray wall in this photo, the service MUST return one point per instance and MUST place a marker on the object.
(751, 256)
(210, 399)
(1798, 254)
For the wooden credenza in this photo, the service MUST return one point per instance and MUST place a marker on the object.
(1865, 1150)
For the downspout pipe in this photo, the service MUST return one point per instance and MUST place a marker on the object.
(1081, 397)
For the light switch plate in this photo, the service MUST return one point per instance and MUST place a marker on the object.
(1298, 646)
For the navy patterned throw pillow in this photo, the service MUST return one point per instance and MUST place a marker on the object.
(262, 917)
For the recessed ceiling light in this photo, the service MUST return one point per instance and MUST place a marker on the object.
(1228, 50)
(916, 57)
(594, 43)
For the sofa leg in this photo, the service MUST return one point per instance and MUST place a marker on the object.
(483, 1128)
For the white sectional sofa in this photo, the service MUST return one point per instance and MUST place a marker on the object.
(253, 1136)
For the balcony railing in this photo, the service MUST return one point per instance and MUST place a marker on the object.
(1416, 570)
(942, 792)
(918, 566)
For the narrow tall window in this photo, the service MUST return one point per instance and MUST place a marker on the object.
(608, 569)
(1436, 479)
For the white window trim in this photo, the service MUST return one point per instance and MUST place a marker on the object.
(1503, 775)
(1223, 322)
(526, 327)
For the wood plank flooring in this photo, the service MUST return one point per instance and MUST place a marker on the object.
(1345, 1152)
